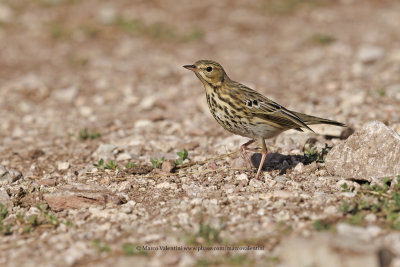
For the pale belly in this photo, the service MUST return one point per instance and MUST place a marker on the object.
(242, 126)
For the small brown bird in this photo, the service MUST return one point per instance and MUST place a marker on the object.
(245, 112)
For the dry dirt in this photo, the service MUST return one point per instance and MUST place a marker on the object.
(115, 68)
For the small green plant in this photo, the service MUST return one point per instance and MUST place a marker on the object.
(157, 163)
(58, 30)
(43, 218)
(99, 164)
(239, 260)
(206, 235)
(321, 226)
(130, 165)
(381, 92)
(130, 249)
(286, 7)
(5, 229)
(205, 263)
(383, 200)
(311, 154)
(344, 207)
(111, 165)
(182, 156)
(356, 219)
(321, 39)
(3, 212)
(397, 185)
(84, 134)
(100, 247)
(345, 187)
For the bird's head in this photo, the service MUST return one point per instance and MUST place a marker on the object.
(209, 72)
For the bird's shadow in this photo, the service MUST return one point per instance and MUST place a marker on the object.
(276, 161)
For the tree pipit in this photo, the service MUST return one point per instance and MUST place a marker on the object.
(245, 112)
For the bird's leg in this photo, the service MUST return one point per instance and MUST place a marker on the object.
(264, 155)
(243, 148)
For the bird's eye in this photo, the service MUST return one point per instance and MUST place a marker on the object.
(209, 69)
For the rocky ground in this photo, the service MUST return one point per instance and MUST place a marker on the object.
(95, 106)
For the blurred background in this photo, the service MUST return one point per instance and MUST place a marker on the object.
(68, 64)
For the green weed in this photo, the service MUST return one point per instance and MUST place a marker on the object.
(130, 249)
(206, 235)
(100, 247)
(111, 165)
(311, 154)
(84, 135)
(157, 163)
(321, 39)
(130, 165)
(381, 92)
(322, 226)
(182, 156)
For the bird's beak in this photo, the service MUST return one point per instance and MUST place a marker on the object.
(191, 67)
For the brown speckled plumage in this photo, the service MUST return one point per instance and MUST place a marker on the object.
(244, 111)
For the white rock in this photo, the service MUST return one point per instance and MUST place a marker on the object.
(85, 111)
(183, 218)
(151, 238)
(261, 212)
(242, 177)
(124, 156)
(147, 103)
(348, 194)
(196, 201)
(6, 14)
(62, 166)
(143, 123)
(331, 210)
(74, 253)
(299, 167)
(368, 54)
(166, 185)
(104, 151)
(283, 194)
(372, 152)
(187, 261)
(106, 14)
(370, 218)
(66, 95)
(393, 91)
(256, 183)
(365, 234)
(32, 211)
(327, 250)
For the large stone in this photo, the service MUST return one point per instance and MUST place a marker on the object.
(372, 152)
(80, 196)
(328, 250)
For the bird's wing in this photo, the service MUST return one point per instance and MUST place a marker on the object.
(268, 110)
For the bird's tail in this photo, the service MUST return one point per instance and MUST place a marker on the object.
(309, 120)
